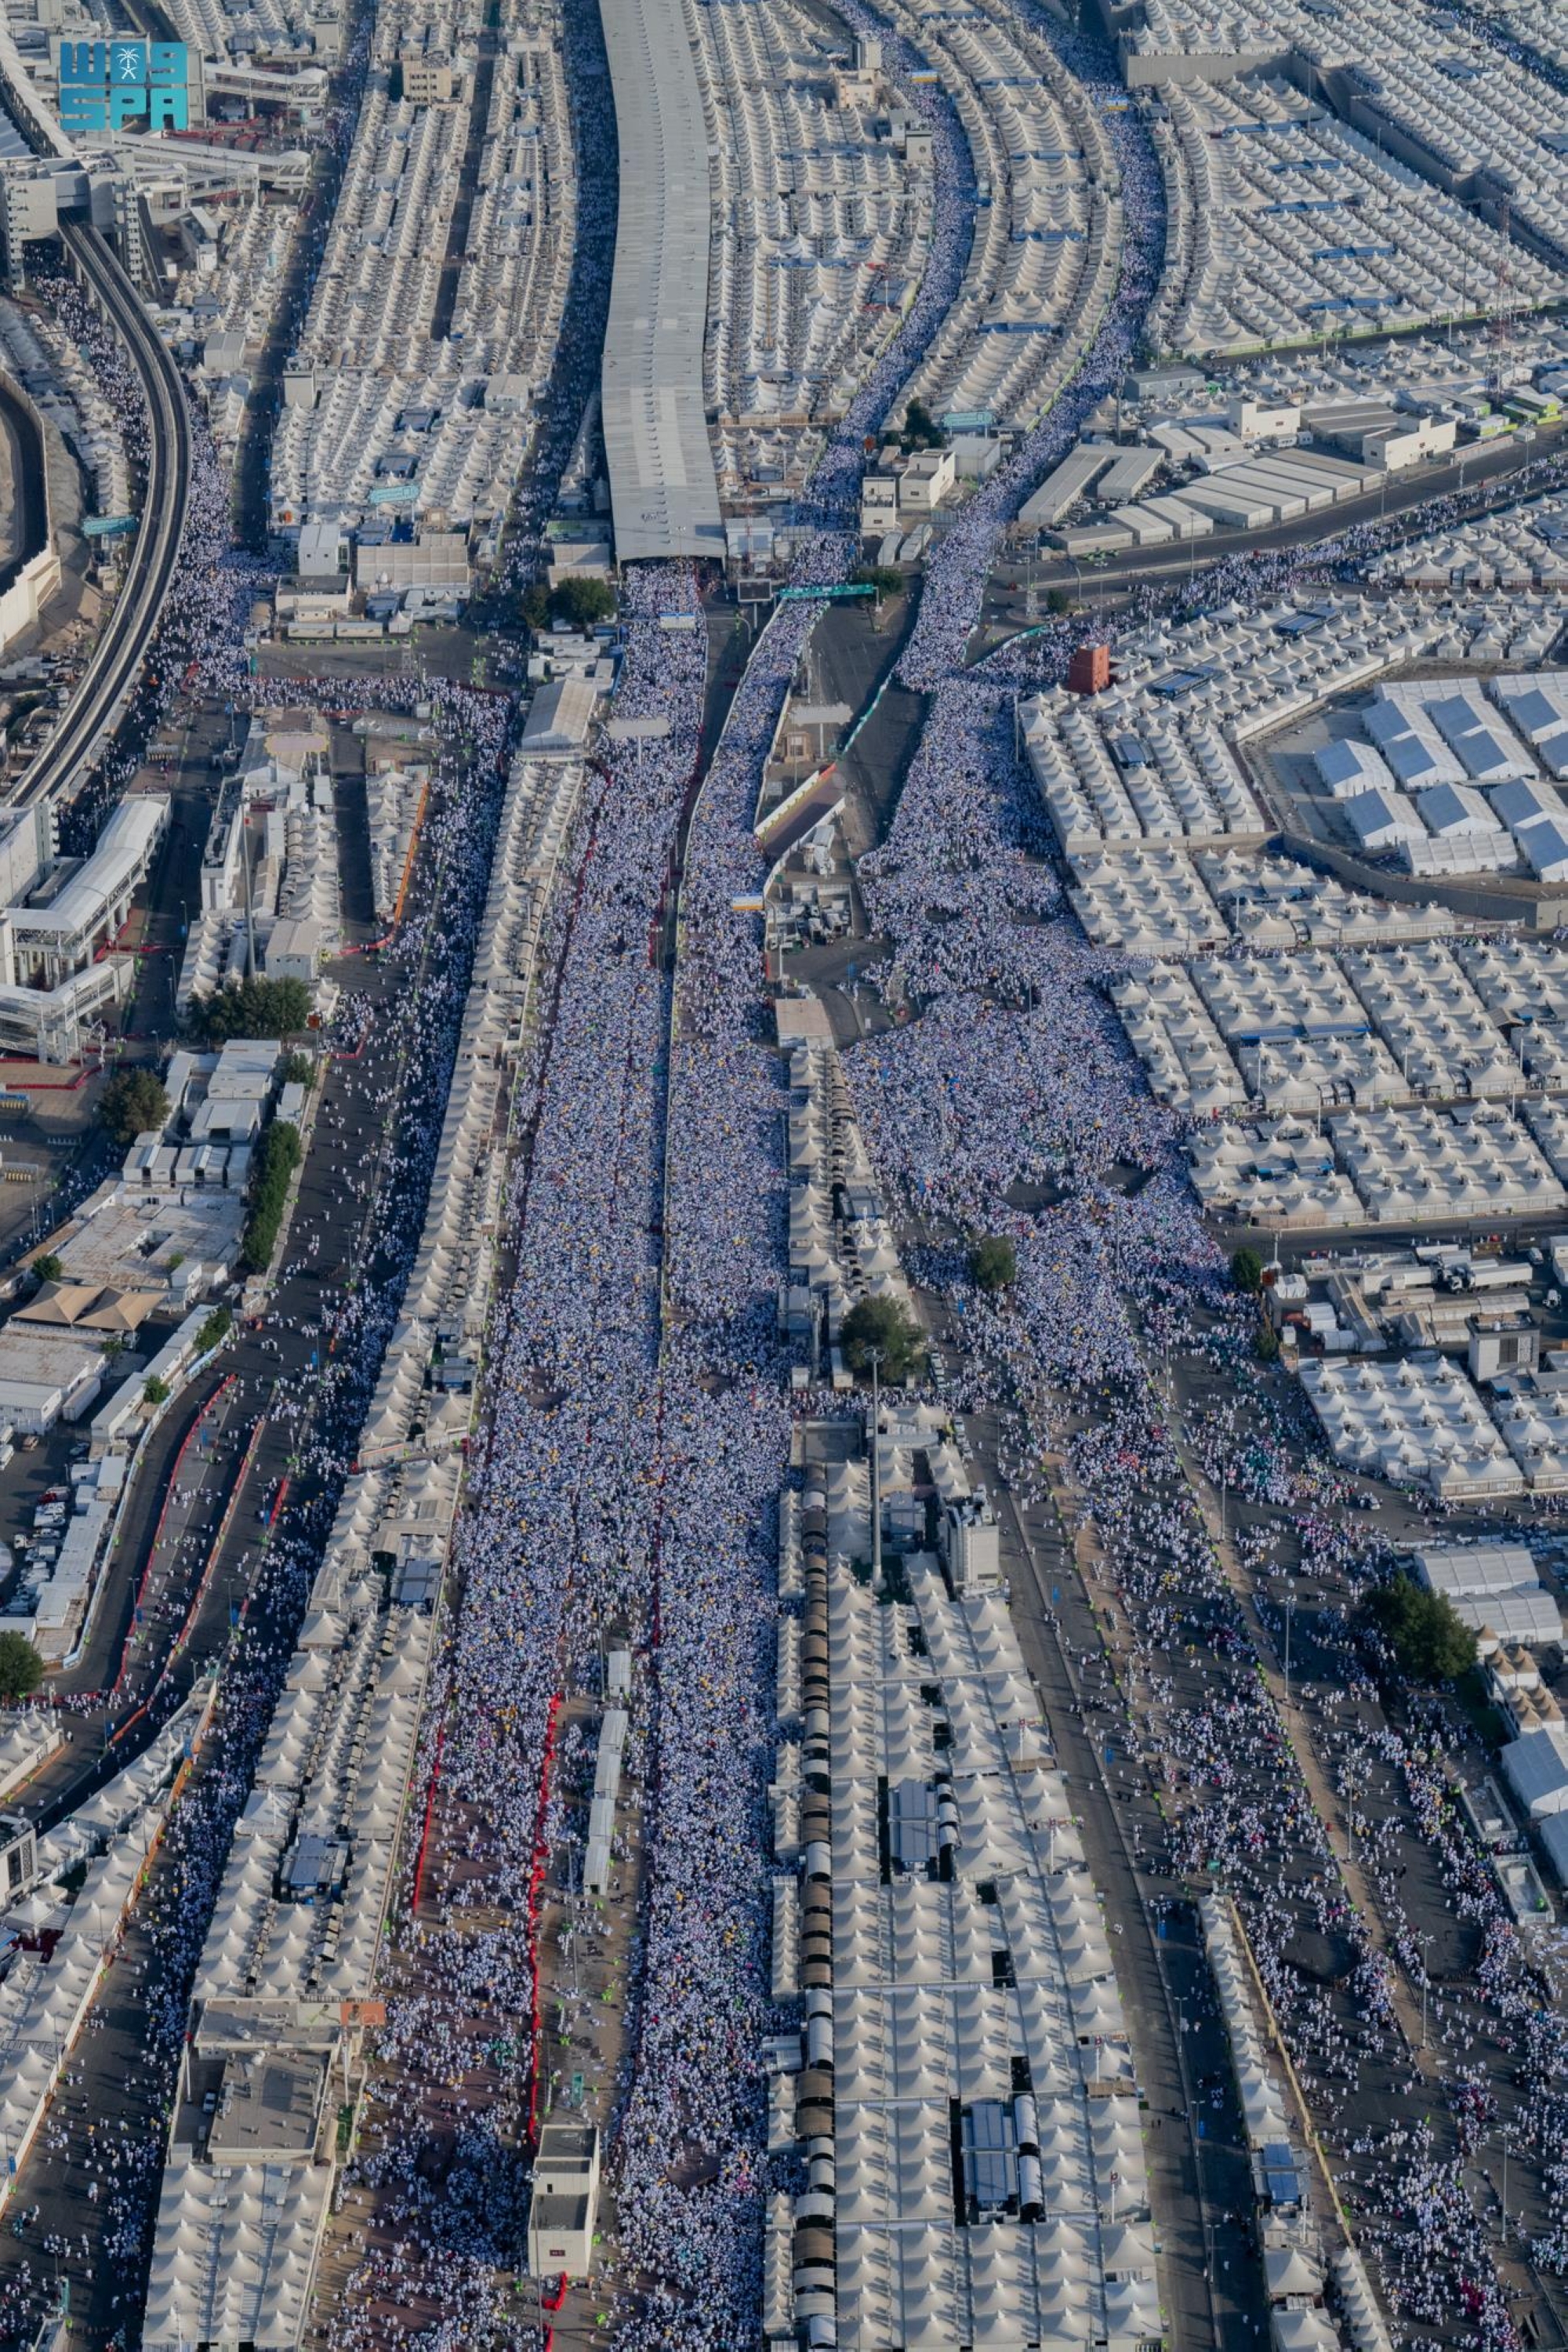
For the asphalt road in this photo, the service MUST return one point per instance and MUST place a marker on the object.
(1482, 474)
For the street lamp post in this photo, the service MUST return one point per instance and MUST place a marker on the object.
(1289, 1615)
(876, 1472)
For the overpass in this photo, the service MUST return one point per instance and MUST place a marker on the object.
(104, 690)
(663, 494)
(105, 687)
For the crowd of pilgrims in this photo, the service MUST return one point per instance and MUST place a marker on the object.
(1002, 1097)
(638, 1429)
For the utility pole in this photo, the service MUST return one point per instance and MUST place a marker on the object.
(1289, 1613)
(876, 1472)
(249, 905)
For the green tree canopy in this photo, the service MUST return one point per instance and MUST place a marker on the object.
(21, 1668)
(881, 1326)
(215, 1327)
(994, 1262)
(277, 1157)
(583, 603)
(1246, 1270)
(921, 430)
(257, 1008)
(133, 1103)
(49, 1267)
(154, 1390)
(1427, 1635)
(885, 578)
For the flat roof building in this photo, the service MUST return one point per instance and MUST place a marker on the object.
(1536, 1770)
(559, 719)
(47, 1376)
(566, 2204)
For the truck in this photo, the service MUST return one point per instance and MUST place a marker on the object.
(1489, 1273)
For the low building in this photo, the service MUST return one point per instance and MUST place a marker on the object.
(971, 1544)
(1260, 420)
(564, 2208)
(1381, 819)
(1496, 1592)
(559, 719)
(435, 559)
(182, 1240)
(55, 977)
(1501, 1346)
(294, 951)
(1380, 436)
(925, 481)
(878, 505)
(321, 552)
(1536, 1770)
(46, 1376)
(427, 80)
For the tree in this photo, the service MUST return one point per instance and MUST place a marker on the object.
(257, 1008)
(885, 578)
(114, 1346)
(1058, 600)
(21, 1668)
(49, 1267)
(921, 430)
(277, 1157)
(215, 1327)
(1425, 1630)
(155, 1391)
(536, 606)
(133, 1103)
(994, 1263)
(881, 1326)
(1247, 1271)
(298, 1070)
(1266, 1342)
(583, 603)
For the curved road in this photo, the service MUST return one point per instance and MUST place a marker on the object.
(106, 685)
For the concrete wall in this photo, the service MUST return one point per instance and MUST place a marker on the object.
(23, 601)
(1499, 905)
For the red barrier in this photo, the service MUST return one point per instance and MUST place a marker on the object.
(430, 1817)
(42, 1086)
(200, 1594)
(227, 1382)
(552, 2302)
